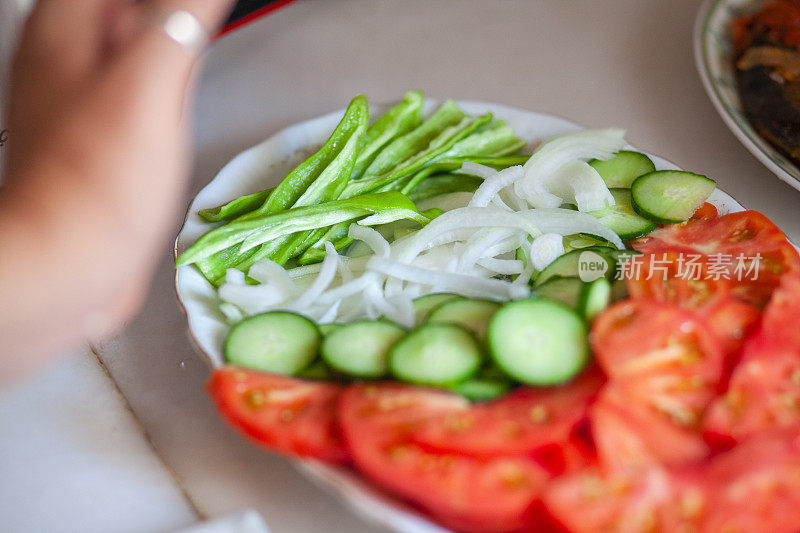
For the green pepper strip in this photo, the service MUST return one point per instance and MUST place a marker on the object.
(319, 178)
(440, 132)
(254, 231)
(398, 121)
(453, 164)
(316, 252)
(437, 146)
(235, 208)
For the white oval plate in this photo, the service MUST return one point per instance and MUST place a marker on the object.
(713, 56)
(263, 166)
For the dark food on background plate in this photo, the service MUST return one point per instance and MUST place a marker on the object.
(767, 56)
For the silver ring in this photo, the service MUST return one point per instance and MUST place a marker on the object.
(183, 28)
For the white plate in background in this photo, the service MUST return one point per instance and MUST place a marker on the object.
(713, 53)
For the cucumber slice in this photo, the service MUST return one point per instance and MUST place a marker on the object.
(279, 342)
(594, 297)
(360, 349)
(327, 329)
(566, 291)
(538, 342)
(481, 389)
(668, 196)
(619, 290)
(622, 219)
(473, 315)
(425, 304)
(317, 370)
(582, 240)
(435, 354)
(623, 168)
(568, 265)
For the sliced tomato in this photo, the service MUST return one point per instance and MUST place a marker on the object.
(661, 356)
(285, 414)
(466, 493)
(524, 422)
(631, 437)
(764, 389)
(665, 277)
(731, 321)
(651, 501)
(706, 211)
(681, 280)
(746, 240)
(755, 487)
(780, 316)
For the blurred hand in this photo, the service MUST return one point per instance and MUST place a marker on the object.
(97, 159)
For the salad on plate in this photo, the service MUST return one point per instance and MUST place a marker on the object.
(562, 340)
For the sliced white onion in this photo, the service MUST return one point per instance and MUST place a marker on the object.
(465, 217)
(495, 183)
(331, 314)
(553, 154)
(567, 222)
(506, 267)
(232, 313)
(323, 280)
(546, 249)
(371, 238)
(271, 273)
(578, 183)
(234, 276)
(482, 244)
(493, 289)
(476, 169)
(252, 299)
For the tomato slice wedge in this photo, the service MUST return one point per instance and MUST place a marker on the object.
(652, 501)
(661, 356)
(521, 423)
(745, 235)
(706, 211)
(668, 277)
(764, 389)
(287, 415)
(471, 494)
(755, 487)
(631, 437)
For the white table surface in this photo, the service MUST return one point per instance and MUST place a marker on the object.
(624, 63)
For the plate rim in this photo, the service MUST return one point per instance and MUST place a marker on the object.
(753, 142)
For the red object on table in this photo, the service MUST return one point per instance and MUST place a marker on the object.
(247, 11)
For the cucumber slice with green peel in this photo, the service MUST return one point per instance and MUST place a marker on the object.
(538, 342)
(622, 169)
(594, 297)
(425, 304)
(619, 290)
(317, 370)
(327, 329)
(360, 349)
(435, 354)
(480, 389)
(279, 342)
(668, 196)
(566, 291)
(571, 264)
(473, 315)
(582, 240)
(622, 219)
